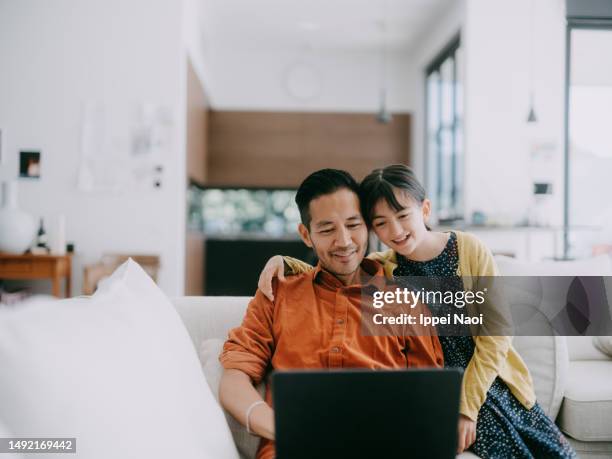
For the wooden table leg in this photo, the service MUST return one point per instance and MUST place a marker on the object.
(56, 285)
(68, 283)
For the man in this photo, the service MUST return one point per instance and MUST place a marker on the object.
(314, 320)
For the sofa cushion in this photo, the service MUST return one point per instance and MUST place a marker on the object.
(586, 412)
(595, 266)
(210, 350)
(546, 358)
(591, 449)
(117, 371)
(208, 317)
(583, 348)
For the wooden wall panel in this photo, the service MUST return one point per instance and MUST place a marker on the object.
(197, 150)
(279, 149)
(197, 127)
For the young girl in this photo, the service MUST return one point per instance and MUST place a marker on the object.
(499, 417)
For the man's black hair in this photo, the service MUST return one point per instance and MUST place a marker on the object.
(319, 183)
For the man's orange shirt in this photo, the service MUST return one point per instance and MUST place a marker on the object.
(315, 322)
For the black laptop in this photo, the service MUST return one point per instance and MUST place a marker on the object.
(366, 414)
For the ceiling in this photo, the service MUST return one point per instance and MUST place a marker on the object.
(346, 25)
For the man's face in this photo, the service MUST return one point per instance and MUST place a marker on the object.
(337, 233)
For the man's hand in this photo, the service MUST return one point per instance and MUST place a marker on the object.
(262, 421)
(237, 394)
(467, 433)
(275, 267)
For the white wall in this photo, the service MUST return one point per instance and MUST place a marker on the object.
(56, 56)
(499, 168)
(497, 42)
(196, 46)
(448, 24)
(350, 81)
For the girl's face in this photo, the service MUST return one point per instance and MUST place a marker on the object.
(401, 230)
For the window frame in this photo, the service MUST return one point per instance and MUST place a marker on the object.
(456, 207)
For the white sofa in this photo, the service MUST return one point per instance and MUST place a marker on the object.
(573, 379)
(121, 361)
(581, 374)
(586, 412)
(584, 375)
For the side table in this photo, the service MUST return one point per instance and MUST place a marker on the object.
(28, 266)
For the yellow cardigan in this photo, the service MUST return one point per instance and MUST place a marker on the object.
(493, 355)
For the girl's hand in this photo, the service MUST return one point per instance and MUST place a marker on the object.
(467, 433)
(275, 267)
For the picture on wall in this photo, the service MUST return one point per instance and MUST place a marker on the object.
(29, 164)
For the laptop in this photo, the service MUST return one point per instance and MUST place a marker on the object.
(366, 414)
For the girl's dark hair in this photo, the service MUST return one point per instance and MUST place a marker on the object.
(379, 184)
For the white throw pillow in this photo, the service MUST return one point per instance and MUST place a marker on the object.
(117, 371)
(213, 370)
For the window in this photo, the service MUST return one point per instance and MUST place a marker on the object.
(444, 133)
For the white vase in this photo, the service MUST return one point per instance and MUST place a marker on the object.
(17, 228)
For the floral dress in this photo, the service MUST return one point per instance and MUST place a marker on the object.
(505, 428)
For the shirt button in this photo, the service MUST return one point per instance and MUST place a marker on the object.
(335, 349)
(340, 321)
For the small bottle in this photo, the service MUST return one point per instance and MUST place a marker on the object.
(41, 239)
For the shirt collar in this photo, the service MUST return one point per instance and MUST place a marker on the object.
(372, 277)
